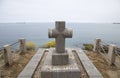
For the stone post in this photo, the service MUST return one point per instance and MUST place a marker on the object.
(8, 55)
(22, 45)
(97, 44)
(111, 54)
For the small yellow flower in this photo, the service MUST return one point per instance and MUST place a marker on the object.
(30, 46)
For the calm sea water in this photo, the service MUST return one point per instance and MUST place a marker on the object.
(38, 33)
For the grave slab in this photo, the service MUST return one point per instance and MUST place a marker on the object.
(88, 65)
(30, 68)
(70, 70)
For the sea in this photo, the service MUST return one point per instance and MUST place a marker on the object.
(83, 33)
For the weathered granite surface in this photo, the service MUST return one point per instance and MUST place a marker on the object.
(70, 70)
(88, 65)
(60, 56)
(60, 33)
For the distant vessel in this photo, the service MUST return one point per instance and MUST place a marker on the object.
(116, 23)
(20, 22)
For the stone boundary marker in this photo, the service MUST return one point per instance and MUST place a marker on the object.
(90, 69)
(30, 68)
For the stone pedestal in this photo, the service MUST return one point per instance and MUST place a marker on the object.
(70, 70)
(60, 58)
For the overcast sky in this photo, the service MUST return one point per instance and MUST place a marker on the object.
(52, 10)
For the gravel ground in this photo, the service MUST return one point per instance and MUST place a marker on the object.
(19, 63)
(101, 64)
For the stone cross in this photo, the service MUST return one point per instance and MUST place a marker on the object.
(60, 33)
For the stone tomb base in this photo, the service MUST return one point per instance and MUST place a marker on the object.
(60, 58)
(62, 71)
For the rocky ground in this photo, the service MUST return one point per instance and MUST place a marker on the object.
(20, 60)
(101, 64)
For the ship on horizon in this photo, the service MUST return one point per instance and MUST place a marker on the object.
(116, 23)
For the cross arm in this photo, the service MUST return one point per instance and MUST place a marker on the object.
(52, 33)
(68, 32)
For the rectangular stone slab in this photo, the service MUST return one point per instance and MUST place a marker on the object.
(88, 65)
(62, 71)
(29, 69)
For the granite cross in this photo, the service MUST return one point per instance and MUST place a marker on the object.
(60, 33)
